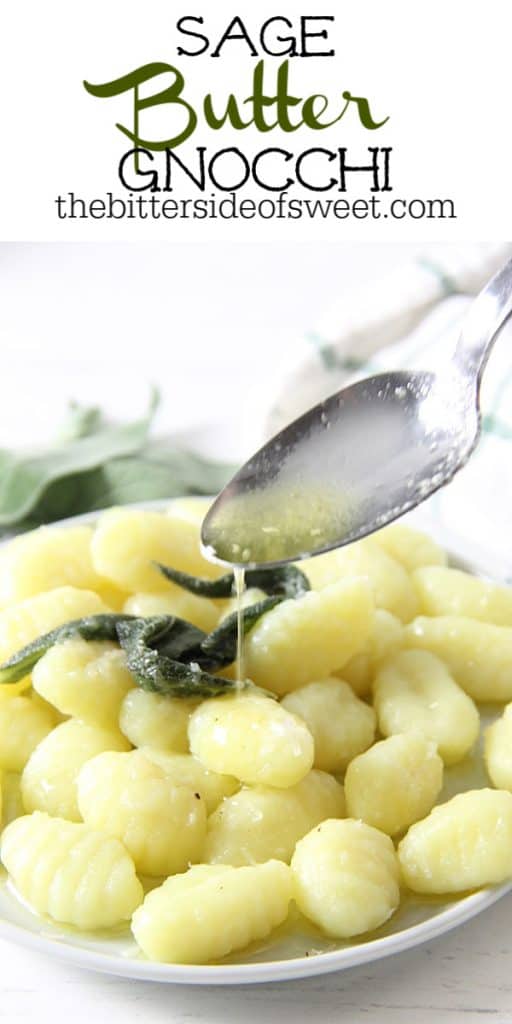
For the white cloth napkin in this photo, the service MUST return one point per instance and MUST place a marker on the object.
(411, 319)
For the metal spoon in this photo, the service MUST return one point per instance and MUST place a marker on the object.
(362, 457)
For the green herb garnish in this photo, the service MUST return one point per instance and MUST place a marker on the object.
(93, 627)
(284, 580)
(159, 673)
(165, 654)
(94, 464)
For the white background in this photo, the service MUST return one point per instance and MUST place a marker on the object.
(439, 70)
(207, 324)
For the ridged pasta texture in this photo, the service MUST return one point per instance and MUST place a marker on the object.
(212, 910)
(70, 872)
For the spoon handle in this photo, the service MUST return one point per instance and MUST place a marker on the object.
(487, 315)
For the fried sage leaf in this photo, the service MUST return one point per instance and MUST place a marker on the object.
(220, 646)
(92, 627)
(284, 580)
(158, 673)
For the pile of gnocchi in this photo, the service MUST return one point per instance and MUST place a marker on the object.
(202, 822)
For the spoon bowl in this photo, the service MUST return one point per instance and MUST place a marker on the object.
(362, 457)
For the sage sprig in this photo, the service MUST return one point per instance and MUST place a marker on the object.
(165, 654)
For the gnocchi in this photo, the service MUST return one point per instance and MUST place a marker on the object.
(394, 783)
(444, 591)
(49, 779)
(412, 548)
(307, 639)
(23, 724)
(71, 873)
(498, 750)
(462, 844)
(186, 770)
(477, 654)
(24, 621)
(346, 877)
(341, 725)
(232, 807)
(260, 823)
(414, 691)
(85, 680)
(127, 543)
(253, 738)
(212, 910)
(157, 721)
(162, 826)
(389, 581)
(45, 559)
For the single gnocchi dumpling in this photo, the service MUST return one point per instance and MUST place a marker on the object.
(498, 750)
(463, 844)
(199, 610)
(212, 910)
(186, 770)
(414, 691)
(154, 720)
(23, 724)
(127, 543)
(477, 654)
(306, 639)
(252, 738)
(443, 591)
(346, 877)
(391, 585)
(86, 680)
(73, 874)
(23, 622)
(411, 547)
(260, 823)
(49, 780)
(44, 559)
(340, 724)
(162, 826)
(394, 783)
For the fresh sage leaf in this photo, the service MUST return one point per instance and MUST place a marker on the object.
(284, 580)
(25, 477)
(158, 673)
(94, 466)
(92, 627)
(179, 640)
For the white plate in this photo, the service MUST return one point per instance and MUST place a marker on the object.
(286, 955)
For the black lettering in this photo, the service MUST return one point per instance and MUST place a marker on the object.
(230, 33)
(195, 35)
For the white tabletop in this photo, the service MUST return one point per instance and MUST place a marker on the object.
(59, 306)
(463, 976)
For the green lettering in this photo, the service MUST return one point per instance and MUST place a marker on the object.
(171, 95)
